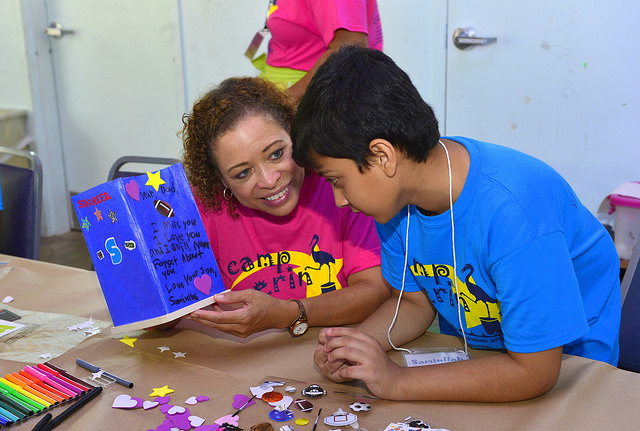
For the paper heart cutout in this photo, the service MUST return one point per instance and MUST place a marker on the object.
(165, 426)
(192, 401)
(285, 402)
(239, 400)
(196, 421)
(181, 420)
(163, 400)
(124, 402)
(133, 190)
(229, 419)
(202, 398)
(164, 408)
(203, 284)
(174, 410)
(150, 404)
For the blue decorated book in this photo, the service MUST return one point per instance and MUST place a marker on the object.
(149, 248)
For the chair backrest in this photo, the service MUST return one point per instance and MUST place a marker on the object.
(117, 170)
(21, 218)
(630, 322)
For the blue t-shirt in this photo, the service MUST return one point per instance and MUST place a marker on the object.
(535, 269)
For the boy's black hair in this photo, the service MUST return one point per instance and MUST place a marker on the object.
(358, 95)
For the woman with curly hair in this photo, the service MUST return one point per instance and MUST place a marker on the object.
(289, 256)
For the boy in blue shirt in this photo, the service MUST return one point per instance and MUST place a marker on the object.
(492, 240)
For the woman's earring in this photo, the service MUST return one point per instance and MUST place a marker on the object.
(224, 194)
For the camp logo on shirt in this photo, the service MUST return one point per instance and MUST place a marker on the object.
(317, 272)
(481, 312)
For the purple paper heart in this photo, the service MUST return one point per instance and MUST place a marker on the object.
(133, 190)
(164, 408)
(181, 420)
(203, 284)
(165, 426)
(201, 398)
(163, 400)
(239, 400)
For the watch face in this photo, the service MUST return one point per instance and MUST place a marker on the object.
(300, 328)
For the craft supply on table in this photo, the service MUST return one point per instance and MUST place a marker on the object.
(95, 369)
(35, 390)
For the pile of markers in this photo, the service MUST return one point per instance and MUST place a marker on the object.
(38, 389)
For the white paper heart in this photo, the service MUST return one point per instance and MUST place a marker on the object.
(124, 402)
(285, 402)
(196, 421)
(149, 404)
(176, 410)
(192, 401)
(258, 391)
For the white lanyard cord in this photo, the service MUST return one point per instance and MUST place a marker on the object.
(455, 266)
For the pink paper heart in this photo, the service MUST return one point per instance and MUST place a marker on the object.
(229, 419)
(133, 190)
(203, 284)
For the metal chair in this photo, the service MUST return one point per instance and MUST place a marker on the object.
(21, 218)
(630, 321)
(116, 170)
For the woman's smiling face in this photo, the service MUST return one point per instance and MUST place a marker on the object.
(254, 160)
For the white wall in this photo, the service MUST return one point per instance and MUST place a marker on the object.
(14, 74)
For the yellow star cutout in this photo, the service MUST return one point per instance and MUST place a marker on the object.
(154, 180)
(128, 341)
(161, 392)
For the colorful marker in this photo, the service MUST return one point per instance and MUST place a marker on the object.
(19, 391)
(9, 391)
(16, 380)
(8, 414)
(16, 404)
(54, 393)
(83, 387)
(67, 385)
(81, 383)
(5, 420)
(14, 411)
(35, 372)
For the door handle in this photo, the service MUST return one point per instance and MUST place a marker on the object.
(465, 38)
(55, 30)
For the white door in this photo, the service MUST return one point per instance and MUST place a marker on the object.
(119, 83)
(560, 83)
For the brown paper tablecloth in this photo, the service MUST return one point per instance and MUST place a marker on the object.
(588, 394)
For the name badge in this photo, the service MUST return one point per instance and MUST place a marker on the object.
(422, 357)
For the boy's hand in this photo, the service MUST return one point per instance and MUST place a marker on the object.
(320, 357)
(350, 354)
(244, 313)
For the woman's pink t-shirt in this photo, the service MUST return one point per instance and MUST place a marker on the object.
(308, 252)
(301, 30)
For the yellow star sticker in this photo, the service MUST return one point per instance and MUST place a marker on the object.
(154, 180)
(128, 341)
(161, 392)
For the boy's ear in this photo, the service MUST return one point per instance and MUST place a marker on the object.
(384, 156)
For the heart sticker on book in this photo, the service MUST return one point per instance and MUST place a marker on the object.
(203, 284)
(133, 190)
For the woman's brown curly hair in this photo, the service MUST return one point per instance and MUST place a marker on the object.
(218, 112)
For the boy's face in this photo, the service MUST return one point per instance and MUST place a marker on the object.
(368, 192)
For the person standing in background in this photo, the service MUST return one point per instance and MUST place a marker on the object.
(305, 32)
